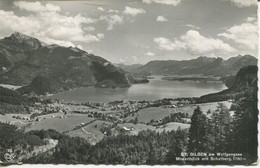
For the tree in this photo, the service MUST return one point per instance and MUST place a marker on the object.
(178, 145)
(219, 129)
(135, 120)
(208, 112)
(151, 160)
(245, 127)
(197, 132)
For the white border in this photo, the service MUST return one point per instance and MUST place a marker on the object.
(157, 166)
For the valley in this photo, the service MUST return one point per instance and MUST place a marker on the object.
(94, 121)
(129, 83)
(60, 97)
(93, 99)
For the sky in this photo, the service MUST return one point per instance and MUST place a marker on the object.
(138, 31)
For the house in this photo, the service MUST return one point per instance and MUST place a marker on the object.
(231, 100)
(26, 118)
(127, 129)
(174, 102)
(185, 102)
(37, 103)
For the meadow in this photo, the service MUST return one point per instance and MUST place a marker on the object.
(90, 132)
(136, 128)
(60, 124)
(18, 122)
(172, 126)
(157, 113)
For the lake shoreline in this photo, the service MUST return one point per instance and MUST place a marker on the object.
(155, 89)
(193, 78)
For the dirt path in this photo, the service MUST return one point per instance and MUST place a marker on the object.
(89, 133)
(76, 128)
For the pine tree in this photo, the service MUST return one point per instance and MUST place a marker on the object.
(245, 127)
(219, 129)
(135, 120)
(197, 132)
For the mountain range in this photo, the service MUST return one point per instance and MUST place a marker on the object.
(26, 61)
(41, 68)
(206, 66)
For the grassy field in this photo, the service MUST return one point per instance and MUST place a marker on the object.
(157, 113)
(204, 107)
(18, 122)
(140, 127)
(173, 126)
(137, 127)
(10, 86)
(60, 124)
(90, 132)
(93, 134)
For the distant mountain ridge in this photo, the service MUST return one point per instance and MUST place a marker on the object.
(129, 68)
(245, 82)
(45, 68)
(206, 66)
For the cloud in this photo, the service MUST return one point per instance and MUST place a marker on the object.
(251, 19)
(133, 11)
(54, 41)
(149, 54)
(134, 58)
(245, 34)
(16, 23)
(161, 19)
(194, 43)
(121, 60)
(192, 26)
(89, 28)
(90, 51)
(100, 9)
(112, 20)
(167, 44)
(165, 2)
(112, 11)
(100, 35)
(47, 24)
(36, 6)
(244, 3)
(80, 47)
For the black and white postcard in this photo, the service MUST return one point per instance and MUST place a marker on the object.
(128, 82)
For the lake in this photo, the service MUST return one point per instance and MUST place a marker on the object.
(156, 89)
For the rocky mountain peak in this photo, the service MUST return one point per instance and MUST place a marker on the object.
(19, 36)
(26, 42)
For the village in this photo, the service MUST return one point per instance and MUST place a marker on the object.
(93, 121)
(115, 111)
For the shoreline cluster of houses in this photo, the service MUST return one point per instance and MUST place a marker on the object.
(115, 112)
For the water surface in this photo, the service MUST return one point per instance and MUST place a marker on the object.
(156, 89)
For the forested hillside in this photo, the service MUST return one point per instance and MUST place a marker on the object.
(244, 83)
